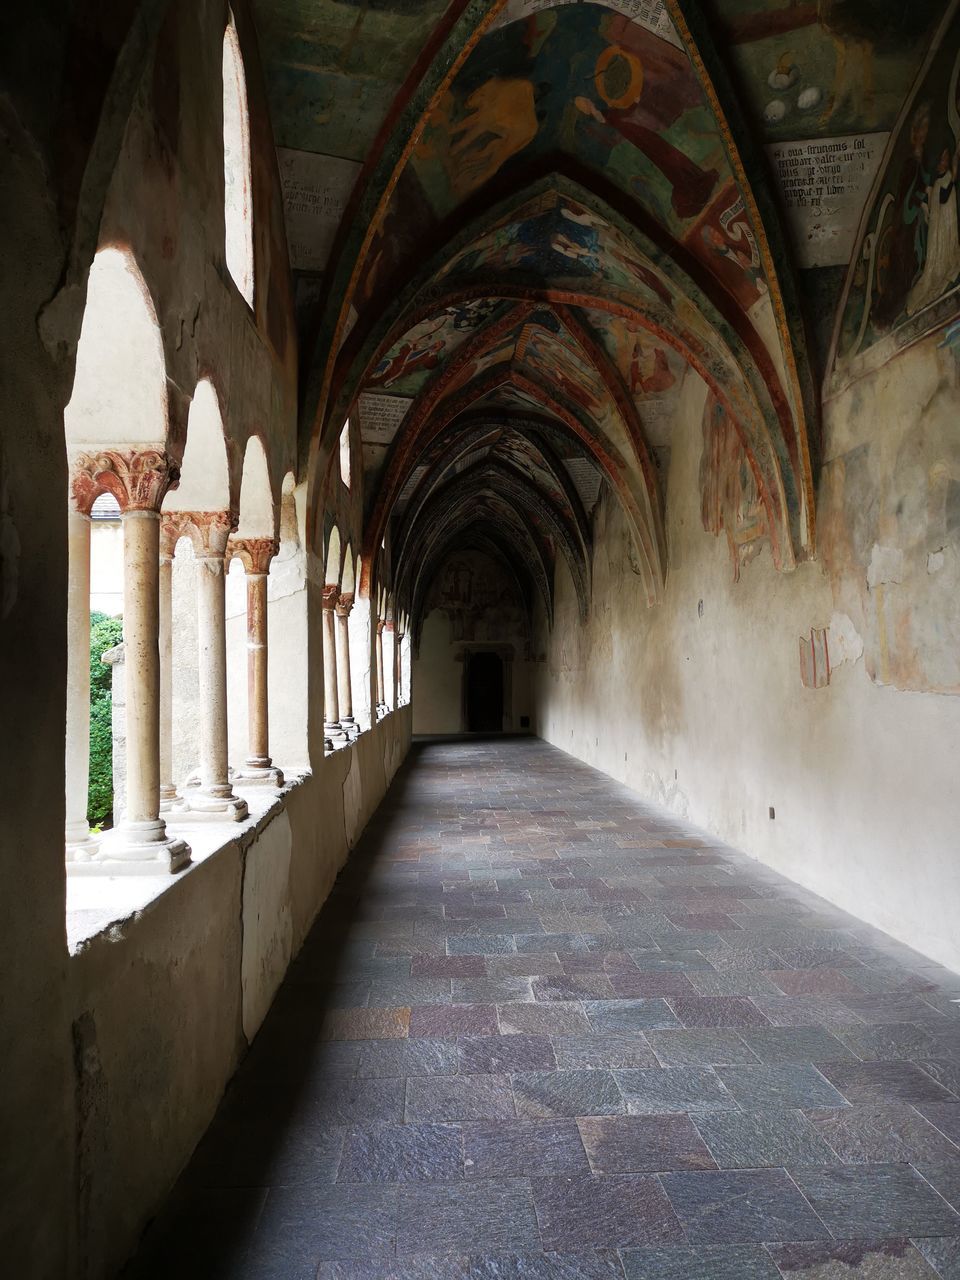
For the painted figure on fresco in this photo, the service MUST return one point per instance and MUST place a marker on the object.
(650, 374)
(900, 248)
(942, 254)
(408, 358)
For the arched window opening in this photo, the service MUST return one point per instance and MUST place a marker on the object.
(345, 454)
(238, 204)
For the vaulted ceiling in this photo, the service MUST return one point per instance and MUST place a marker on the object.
(519, 227)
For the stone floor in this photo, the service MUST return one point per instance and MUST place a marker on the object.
(544, 1031)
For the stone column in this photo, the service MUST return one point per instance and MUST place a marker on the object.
(398, 640)
(255, 555)
(139, 480)
(81, 845)
(213, 798)
(381, 704)
(169, 801)
(390, 694)
(332, 729)
(344, 685)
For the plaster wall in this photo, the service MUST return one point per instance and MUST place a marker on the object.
(106, 566)
(698, 703)
(166, 1001)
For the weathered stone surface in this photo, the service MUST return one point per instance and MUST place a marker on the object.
(873, 1201)
(759, 1139)
(403, 1153)
(603, 1212)
(530, 1147)
(717, 1208)
(643, 1144)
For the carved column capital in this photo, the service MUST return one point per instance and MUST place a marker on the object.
(344, 604)
(207, 530)
(254, 554)
(380, 626)
(329, 597)
(138, 478)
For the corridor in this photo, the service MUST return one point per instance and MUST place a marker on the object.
(544, 1031)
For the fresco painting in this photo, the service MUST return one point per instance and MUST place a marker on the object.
(905, 277)
(730, 500)
(826, 67)
(334, 67)
(639, 114)
(407, 365)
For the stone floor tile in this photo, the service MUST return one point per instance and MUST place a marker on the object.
(366, 1024)
(674, 1089)
(944, 1176)
(717, 1011)
(852, 1260)
(629, 1015)
(542, 1094)
(598, 1264)
(884, 1081)
(440, 1099)
(360, 1101)
(812, 982)
(466, 1217)
(266, 1151)
(774, 1045)
(583, 1211)
(403, 1153)
(762, 1139)
(735, 982)
(526, 1148)
(634, 985)
(734, 1208)
(534, 964)
(670, 960)
(302, 1226)
(604, 1052)
(873, 1201)
(723, 1262)
(409, 991)
(579, 986)
(505, 1054)
(643, 1144)
(945, 1115)
(481, 945)
(448, 1021)
(543, 1019)
(447, 967)
(945, 1071)
(782, 1086)
(492, 990)
(943, 1255)
(609, 962)
(706, 1045)
(408, 1058)
(893, 1042)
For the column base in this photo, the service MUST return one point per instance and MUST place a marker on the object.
(334, 734)
(200, 806)
(350, 728)
(84, 849)
(135, 849)
(258, 775)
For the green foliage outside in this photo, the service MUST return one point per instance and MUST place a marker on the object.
(105, 632)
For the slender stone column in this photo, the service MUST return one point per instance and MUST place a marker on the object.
(213, 799)
(81, 845)
(139, 480)
(169, 801)
(332, 729)
(344, 686)
(381, 704)
(398, 640)
(391, 692)
(255, 555)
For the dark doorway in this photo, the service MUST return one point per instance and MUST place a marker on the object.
(485, 693)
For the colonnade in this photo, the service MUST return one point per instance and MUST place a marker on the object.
(140, 841)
